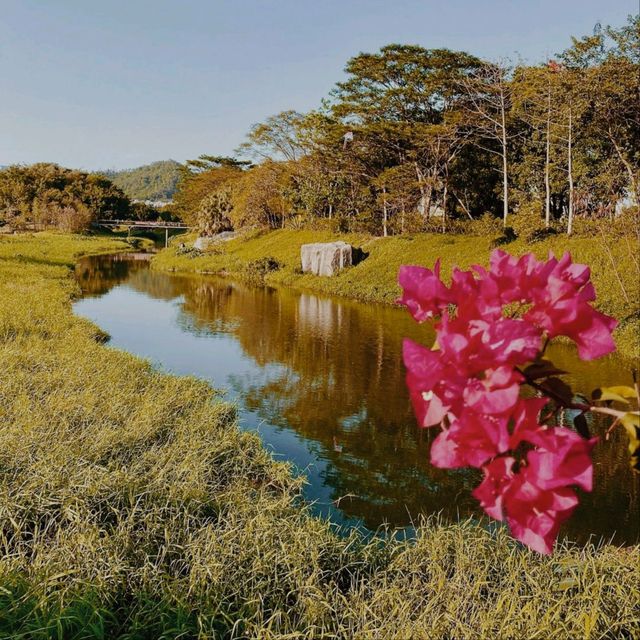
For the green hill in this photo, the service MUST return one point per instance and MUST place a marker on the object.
(155, 181)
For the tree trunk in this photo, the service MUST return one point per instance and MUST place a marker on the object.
(463, 205)
(384, 212)
(547, 186)
(444, 204)
(425, 201)
(570, 170)
(633, 183)
(505, 174)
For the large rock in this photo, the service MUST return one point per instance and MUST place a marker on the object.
(203, 243)
(325, 258)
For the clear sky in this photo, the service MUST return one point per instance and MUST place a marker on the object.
(119, 83)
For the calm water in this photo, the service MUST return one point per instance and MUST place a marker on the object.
(321, 380)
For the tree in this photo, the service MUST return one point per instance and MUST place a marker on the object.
(214, 212)
(280, 137)
(489, 94)
(46, 194)
(260, 197)
(201, 177)
(397, 104)
(536, 98)
(155, 181)
(614, 86)
(398, 195)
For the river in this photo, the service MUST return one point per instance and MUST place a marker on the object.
(321, 380)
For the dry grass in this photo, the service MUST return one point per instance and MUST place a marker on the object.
(132, 507)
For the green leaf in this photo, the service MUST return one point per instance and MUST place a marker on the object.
(618, 393)
(631, 422)
(580, 423)
(542, 369)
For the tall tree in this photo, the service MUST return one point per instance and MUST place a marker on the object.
(536, 98)
(395, 104)
(201, 177)
(279, 137)
(489, 94)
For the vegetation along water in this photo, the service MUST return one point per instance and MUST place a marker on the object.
(134, 506)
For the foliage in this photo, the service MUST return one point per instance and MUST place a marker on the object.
(45, 195)
(133, 507)
(214, 212)
(276, 139)
(259, 197)
(200, 178)
(156, 181)
(256, 270)
(417, 139)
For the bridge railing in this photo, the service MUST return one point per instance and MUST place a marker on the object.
(149, 224)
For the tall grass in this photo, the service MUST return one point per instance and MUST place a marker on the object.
(132, 507)
(613, 262)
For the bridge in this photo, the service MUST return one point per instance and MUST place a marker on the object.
(143, 224)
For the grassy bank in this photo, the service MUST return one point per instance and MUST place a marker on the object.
(374, 280)
(132, 507)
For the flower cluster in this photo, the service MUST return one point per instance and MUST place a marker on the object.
(469, 382)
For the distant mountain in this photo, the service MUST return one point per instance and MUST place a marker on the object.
(155, 181)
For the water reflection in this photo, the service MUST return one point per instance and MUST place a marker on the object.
(322, 381)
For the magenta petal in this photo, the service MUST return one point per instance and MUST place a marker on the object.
(596, 340)
(562, 459)
(498, 475)
(424, 294)
(535, 515)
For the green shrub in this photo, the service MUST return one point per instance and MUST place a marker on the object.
(487, 226)
(528, 219)
(258, 269)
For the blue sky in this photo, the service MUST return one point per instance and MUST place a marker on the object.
(120, 83)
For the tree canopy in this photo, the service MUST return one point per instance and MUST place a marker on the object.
(416, 139)
(46, 195)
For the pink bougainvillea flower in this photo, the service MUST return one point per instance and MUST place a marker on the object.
(424, 294)
(477, 344)
(471, 440)
(592, 333)
(534, 515)
(497, 393)
(561, 459)
(512, 341)
(471, 301)
(498, 475)
(510, 276)
(435, 387)
(470, 384)
(526, 416)
(561, 306)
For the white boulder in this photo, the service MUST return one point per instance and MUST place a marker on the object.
(325, 258)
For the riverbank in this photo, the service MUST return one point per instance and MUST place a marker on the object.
(612, 261)
(132, 506)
